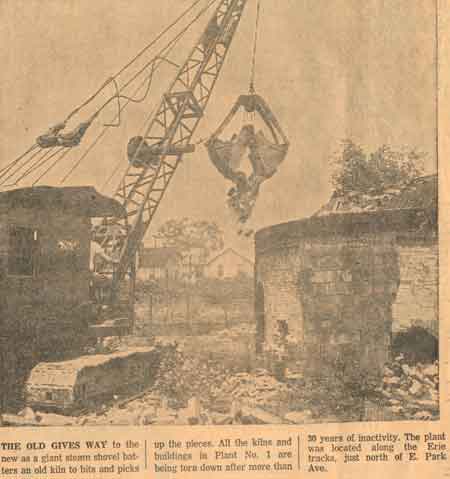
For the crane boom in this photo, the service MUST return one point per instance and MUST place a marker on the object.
(169, 134)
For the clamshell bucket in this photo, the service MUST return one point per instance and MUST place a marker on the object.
(265, 154)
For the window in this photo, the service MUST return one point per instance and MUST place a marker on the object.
(48, 396)
(22, 251)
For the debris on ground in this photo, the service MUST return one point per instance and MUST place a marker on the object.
(191, 389)
(256, 389)
(187, 390)
(28, 417)
(411, 391)
(300, 417)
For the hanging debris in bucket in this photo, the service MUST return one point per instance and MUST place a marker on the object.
(265, 154)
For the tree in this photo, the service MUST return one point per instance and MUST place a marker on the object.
(356, 171)
(186, 234)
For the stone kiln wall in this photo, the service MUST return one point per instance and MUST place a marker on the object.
(336, 296)
(343, 291)
(417, 298)
(278, 273)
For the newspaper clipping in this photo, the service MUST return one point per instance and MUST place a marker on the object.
(223, 238)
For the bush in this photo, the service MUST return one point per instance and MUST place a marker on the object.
(357, 171)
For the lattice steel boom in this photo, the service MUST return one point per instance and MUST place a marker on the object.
(169, 134)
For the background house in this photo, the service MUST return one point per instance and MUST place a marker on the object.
(228, 264)
(194, 262)
(159, 264)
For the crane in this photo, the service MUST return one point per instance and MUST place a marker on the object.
(155, 156)
(156, 153)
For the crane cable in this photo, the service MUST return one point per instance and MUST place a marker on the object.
(42, 160)
(119, 163)
(133, 60)
(132, 99)
(47, 156)
(162, 56)
(4, 170)
(99, 137)
(8, 166)
(255, 42)
(155, 62)
(65, 151)
(138, 149)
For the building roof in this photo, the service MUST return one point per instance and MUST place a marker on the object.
(405, 220)
(157, 257)
(421, 193)
(412, 208)
(228, 251)
(78, 200)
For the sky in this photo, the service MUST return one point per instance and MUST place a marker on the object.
(329, 69)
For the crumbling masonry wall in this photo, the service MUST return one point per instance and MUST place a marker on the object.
(277, 272)
(417, 298)
(339, 283)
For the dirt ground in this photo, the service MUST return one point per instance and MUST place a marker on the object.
(209, 373)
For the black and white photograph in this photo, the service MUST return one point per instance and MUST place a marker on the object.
(218, 212)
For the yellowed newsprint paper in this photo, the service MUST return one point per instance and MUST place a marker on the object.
(223, 239)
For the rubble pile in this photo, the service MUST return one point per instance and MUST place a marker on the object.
(191, 389)
(224, 395)
(227, 351)
(180, 377)
(411, 391)
(256, 389)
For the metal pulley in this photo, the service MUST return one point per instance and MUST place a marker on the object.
(54, 137)
(142, 155)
